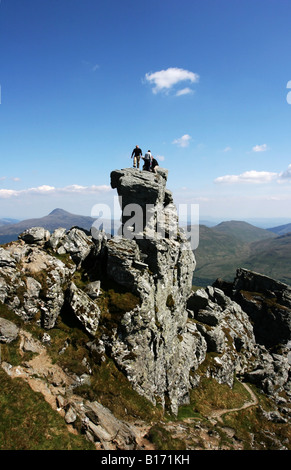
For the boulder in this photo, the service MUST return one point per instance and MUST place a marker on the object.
(77, 243)
(35, 284)
(6, 259)
(93, 289)
(100, 425)
(267, 302)
(85, 309)
(38, 235)
(8, 331)
(56, 237)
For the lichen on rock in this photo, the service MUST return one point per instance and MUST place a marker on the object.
(132, 294)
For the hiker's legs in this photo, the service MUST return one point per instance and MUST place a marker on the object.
(147, 165)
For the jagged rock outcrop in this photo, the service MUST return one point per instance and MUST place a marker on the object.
(32, 283)
(96, 421)
(99, 424)
(154, 260)
(226, 330)
(8, 331)
(267, 303)
(36, 281)
(162, 334)
(85, 309)
(248, 330)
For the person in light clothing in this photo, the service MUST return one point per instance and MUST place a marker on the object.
(147, 161)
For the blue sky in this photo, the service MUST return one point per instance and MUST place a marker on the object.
(202, 83)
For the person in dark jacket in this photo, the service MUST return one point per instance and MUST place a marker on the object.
(154, 164)
(136, 154)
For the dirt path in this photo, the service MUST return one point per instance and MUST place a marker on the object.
(218, 413)
(56, 386)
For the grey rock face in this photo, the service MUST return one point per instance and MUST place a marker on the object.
(77, 244)
(268, 304)
(37, 235)
(37, 276)
(56, 238)
(33, 281)
(154, 347)
(161, 340)
(93, 289)
(229, 333)
(226, 329)
(84, 308)
(100, 424)
(6, 259)
(8, 331)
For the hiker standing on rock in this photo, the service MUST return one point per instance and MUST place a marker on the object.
(147, 160)
(136, 154)
(154, 164)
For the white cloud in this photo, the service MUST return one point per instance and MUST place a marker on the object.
(2, 178)
(184, 91)
(227, 149)
(251, 176)
(91, 66)
(183, 141)
(51, 190)
(164, 80)
(161, 158)
(260, 148)
(254, 176)
(285, 175)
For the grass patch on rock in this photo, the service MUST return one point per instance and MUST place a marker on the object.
(110, 387)
(256, 431)
(210, 396)
(29, 423)
(163, 440)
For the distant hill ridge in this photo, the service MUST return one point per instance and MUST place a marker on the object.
(222, 248)
(281, 229)
(243, 231)
(7, 221)
(226, 246)
(55, 219)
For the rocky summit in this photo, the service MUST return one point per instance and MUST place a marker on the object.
(132, 294)
(155, 348)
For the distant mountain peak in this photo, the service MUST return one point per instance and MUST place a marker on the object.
(58, 211)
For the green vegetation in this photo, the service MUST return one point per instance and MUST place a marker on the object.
(230, 245)
(163, 440)
(208, 396)
(246, 429)
(170, 302)
(272, 258)
(29, 423)
(108, 384)
(114, 301)
(243, 231)
(110, 387)
(256, 431)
